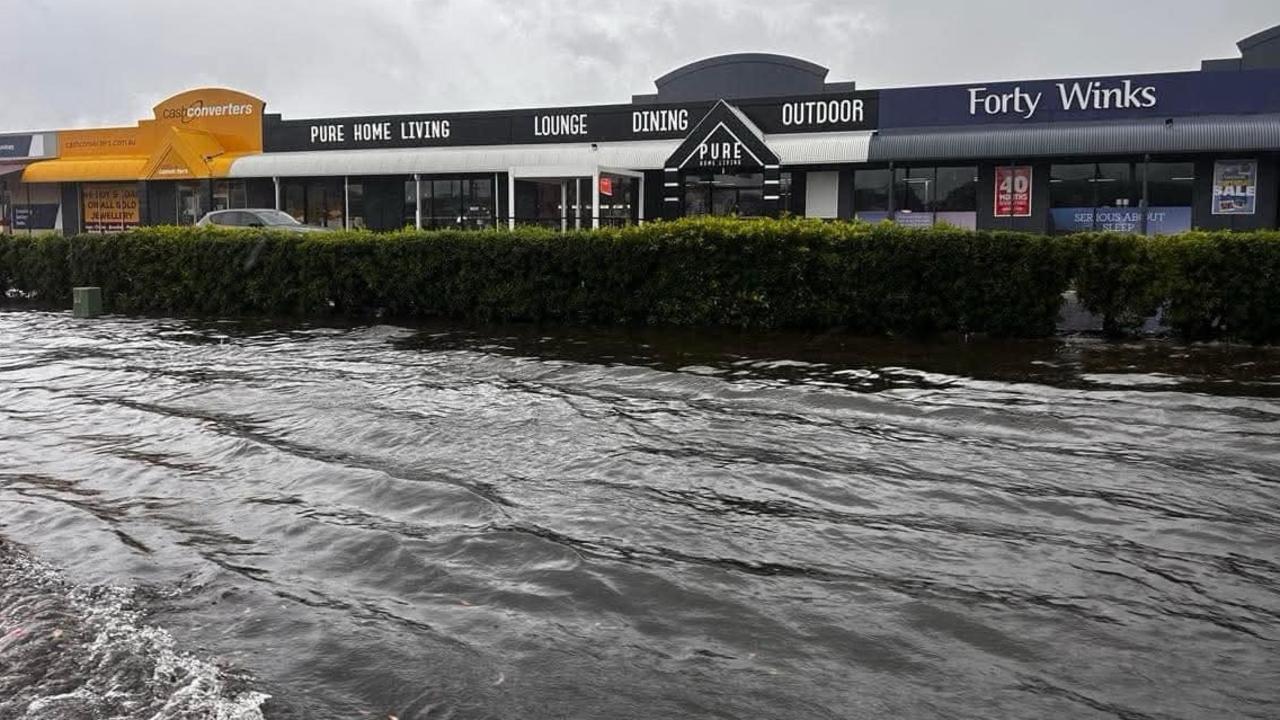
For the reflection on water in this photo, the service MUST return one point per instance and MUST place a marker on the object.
(526, 523)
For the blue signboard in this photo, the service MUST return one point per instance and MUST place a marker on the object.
(43, 216)
(15, 146)
(1084, 99)
(1160, 220)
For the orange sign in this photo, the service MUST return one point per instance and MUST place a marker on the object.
(234, 118)
(195, 134)
(110, 208)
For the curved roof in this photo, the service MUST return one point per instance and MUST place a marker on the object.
(785, 61)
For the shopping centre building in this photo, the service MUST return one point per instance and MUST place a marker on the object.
(739, 134)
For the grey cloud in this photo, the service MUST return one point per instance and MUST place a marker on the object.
(84, 62)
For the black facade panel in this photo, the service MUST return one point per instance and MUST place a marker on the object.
(260, 193)
(653, 194)
(526, 202)
(384, 205)
(144, 205)
(1038, 222)
(844, 202)
(162, 204)
(1202, 216)
(70, 208)
(799, 189)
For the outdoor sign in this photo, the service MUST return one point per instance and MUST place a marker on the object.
(1115, 97)
(606, 186)
(110, 208)
(1013, 191)
(1235, 187)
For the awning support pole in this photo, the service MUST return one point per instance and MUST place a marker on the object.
(276, 180)
(511, 200)
(346, 202)
(417, 201)
(564, 205)
(1142, 206)
(640, 210)
(595, 199)
(577, 203)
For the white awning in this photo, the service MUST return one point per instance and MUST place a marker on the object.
(565, 159)
(561, 159)
(820, 148)
(6, 168)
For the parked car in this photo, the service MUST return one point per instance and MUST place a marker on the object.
(256, 218)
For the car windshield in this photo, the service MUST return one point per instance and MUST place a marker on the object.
(277, 217)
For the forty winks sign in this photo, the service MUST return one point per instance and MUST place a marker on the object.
(836, 112)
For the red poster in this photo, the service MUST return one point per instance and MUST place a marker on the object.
(606, 186)
(1013, 191)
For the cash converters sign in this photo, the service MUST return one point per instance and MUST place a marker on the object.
(199, 109)
(235, 118)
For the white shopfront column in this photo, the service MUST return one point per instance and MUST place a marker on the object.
(511, 200)
(595, 199)
(276, 180)
(346, 202)
(640, 210)
(577, 203)
(564, 205)
(417, 201)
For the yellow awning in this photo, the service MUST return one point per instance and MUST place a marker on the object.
(85, 169)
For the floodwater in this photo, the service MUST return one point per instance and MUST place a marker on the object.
(514, 522)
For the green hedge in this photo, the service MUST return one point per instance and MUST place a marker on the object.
(743, 273)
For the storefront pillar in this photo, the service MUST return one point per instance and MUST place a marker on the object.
(511, 202)
(564, 205)
(640, 208)
(577, 203)
(276, 181)
(346, 202)
(417, 201)
(595, 199)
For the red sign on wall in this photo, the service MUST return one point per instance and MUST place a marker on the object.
(606, 186)
(1013, 191)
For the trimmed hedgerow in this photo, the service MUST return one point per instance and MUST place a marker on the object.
(711, 271)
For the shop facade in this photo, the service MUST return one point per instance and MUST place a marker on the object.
(750, 135)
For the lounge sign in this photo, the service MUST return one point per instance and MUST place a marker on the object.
(606, 123)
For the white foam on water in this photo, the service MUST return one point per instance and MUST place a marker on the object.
(125, 670)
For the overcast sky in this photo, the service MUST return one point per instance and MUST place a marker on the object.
(77, 63)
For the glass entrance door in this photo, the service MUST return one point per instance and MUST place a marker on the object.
(737, 194)
(190, 207)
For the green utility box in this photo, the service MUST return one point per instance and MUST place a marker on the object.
(87, 302)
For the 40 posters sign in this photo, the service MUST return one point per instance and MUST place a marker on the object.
(1013, 191)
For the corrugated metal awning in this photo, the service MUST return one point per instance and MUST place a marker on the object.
(820, 148)
(1237, 133)
(641, 155)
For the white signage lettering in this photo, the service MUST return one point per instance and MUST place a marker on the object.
(557, 125)
(424, 130)
(1088, 95)
(328, 134)
(371, 132)
(657, 121)
(720, 153)
(823, 112)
